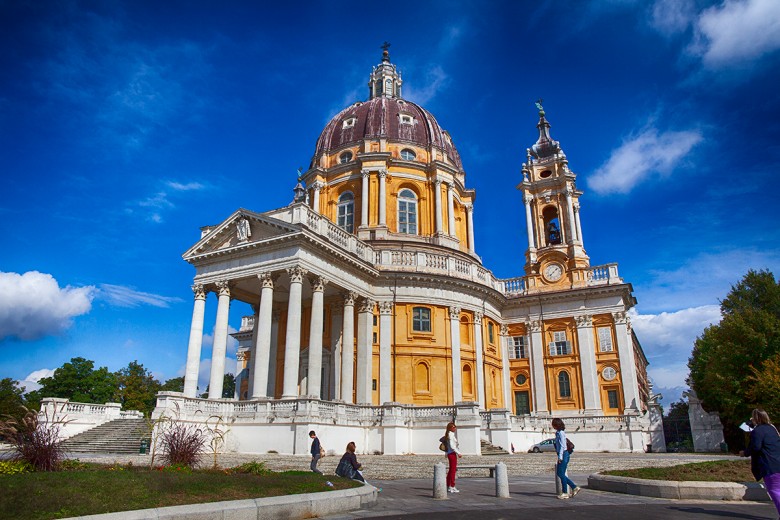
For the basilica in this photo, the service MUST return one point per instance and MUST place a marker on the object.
(376, 321)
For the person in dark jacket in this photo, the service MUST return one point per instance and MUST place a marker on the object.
(764, 452)
(350, 460)
(315, 452)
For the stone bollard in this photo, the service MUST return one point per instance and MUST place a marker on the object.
(440, 481)
(502, 481)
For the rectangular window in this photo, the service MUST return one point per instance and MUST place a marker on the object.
(491, 334)
(559, 346)
(612, 397)
(605, 339)
(421, 319)
(373, 384)
(375, 340)
(517, 348)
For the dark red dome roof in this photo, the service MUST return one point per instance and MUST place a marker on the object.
(380, 118)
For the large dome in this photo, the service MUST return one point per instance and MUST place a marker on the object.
(389, 118)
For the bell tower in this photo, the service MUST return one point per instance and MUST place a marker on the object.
(556, 258)
(385, 80)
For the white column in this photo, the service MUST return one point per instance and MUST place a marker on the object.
(348, 347)
(539, 379)
(292, 344)
(220, 342)
(364, 200)
(316, 187)
(577, 222)
(314, 385)
(252, 355)
(529, 222)
(385, 358)
(336, 321)
(365, 354)
(382, 196)
(590, 376)
(262, 356)
(480, 359)
(470, 226)
(507, 379)
(273, 353)
(438, 209)
(570, 211)
(451, 210)
(195, 343)
(457, 376)
(627, 365)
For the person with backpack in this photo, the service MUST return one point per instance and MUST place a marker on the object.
(316, 452)
(764, 452)
(348, 466)
(563, 449)
(450, 442)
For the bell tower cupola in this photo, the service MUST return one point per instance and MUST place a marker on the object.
(385, 80)
(555, 258)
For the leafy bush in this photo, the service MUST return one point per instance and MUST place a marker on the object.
(181, 444)
(253, 468)
(33, 441)
(14, 467)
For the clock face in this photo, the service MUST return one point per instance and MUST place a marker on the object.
(553, 272)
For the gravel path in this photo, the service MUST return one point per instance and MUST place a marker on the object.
(391, 467)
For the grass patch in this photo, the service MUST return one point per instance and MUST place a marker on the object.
(713, 471)
(93, 489)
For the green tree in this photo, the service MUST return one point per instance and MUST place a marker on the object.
(729, 367)
(78, 381)
(173, 385)
(228, 387)
(137, 388)
(11, 398)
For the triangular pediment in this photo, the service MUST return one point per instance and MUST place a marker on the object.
(241, 228)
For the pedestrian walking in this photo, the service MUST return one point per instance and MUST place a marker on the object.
(450, 441)
(563, 459)
(764, 452)
(316, 452)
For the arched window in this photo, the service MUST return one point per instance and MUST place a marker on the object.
(345, 157)
(389, 87)
(552, 225)
(564, 384)
(346, 212)
(408, 155)
(422, 382)
(468, 384)
(407, 212)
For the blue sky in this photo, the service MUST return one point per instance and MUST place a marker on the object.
(128, 125)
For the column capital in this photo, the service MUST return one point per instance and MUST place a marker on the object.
(382, 173)
(242, 356)
(504, 330)
(528, 198)
(366, 305)
(620, 317)
(317, 283)
(349, 297)
(317, 185)
(199, 291)
(223, 287)
(296, 274)
(385, 308)
(437, 182)
(478, 318)
(534, 325)
(267, 279)
(576, 207)
(365, 172)
(454, 313)
(586, 320)
(469, 207)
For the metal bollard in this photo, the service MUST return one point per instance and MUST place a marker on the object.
(440, 481)
(502, 481)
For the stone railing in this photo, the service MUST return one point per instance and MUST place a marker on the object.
(78, 417)
(419, 261)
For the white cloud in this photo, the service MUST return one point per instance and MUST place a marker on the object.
(185, 187)
(672, 16)
(670, 335)
(640, 157)
(737, 32)
(30, 382)
(122, 296)
(435, 81)
(33, 305)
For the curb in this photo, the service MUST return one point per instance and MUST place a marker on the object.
(681, 490)
(287, 507)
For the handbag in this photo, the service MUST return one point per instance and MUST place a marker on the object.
(345, 469)
(443, 444)
(322, 452)
(569, 446)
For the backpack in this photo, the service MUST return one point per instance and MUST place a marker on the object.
(569, 446)
(443, 444)
(345, 469)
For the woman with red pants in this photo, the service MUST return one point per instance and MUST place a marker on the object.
(453, 454)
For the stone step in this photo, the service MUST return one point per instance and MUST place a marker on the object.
(117, 436)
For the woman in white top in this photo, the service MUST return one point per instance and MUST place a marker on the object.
(563, 460)
(453, 454)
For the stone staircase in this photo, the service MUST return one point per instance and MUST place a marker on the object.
(489, 449)
(117, 436)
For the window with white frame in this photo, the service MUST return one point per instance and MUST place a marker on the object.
(560, 346)
(605, 339)
(407, 212)
(517, 348)
(345, 157)
(406, 119)
(408, 155)
(349, 122)
(346, 212)
(421, 319)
